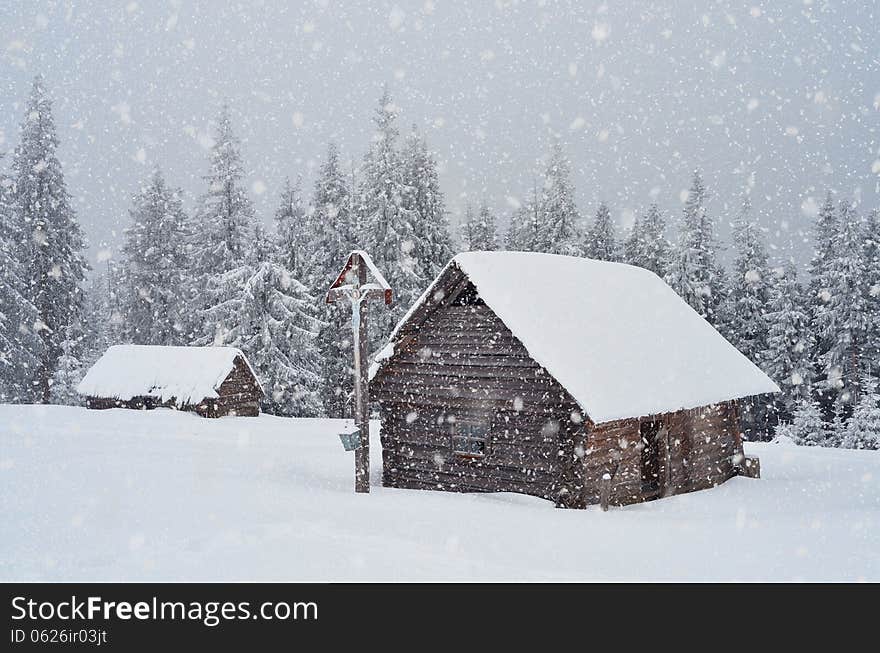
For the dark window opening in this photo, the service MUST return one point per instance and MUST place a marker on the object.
(470, 438)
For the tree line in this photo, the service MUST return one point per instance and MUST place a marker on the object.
(219, 277)
(819, 340)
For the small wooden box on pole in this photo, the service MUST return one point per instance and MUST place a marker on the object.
(352, 284)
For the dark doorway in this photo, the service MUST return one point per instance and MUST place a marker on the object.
(650, 462)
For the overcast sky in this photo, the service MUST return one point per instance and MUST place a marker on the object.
(778, 99)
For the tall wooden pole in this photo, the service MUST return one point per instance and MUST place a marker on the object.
(351, 284)
(361, 386)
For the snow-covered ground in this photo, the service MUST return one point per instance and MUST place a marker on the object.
(160, 495)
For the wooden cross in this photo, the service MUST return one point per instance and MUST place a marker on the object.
(352, 284)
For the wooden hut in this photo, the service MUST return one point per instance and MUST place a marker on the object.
(542, 374)
(211, 381)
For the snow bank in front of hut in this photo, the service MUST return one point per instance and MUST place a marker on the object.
(617, 337)
(187, 374)
(122, 495)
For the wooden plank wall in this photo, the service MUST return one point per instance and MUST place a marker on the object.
(702, 450)
(612, 448)
(239, 394)
(463, 362)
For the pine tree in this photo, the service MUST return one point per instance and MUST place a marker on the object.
(224, 226)
(807, 427)
(647, 246)
(836, 432)
(561, 231)
(18, 342)
(871, 286)
(694, 272)
(387, 220)
(845, 318)
(863, 427)
(425, 200)
(68, 372)
(99, 329)
(261, 309)
(478, 230)
(333, 224)
(819, 286)
(225, 214)
(746, 322)
(789, 340)
(114, 307)
(744, 318)
(525, 232)
(332, 234)
(156, 266)
(600, 241)
(299, 248)
(335, 346)
(54, 247)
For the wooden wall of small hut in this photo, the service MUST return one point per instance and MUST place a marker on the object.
(695, 449)
(456, 362)
(464, 365)
(238, 394)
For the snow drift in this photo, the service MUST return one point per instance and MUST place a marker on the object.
(162, 495)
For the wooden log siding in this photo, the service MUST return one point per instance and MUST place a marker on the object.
(702, 453)
(239, 393)
(462, 361)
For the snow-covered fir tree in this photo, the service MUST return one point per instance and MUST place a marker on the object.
(694, 272)
(871, 286)
(53, 248)
(425, 200)
(334, 341)
(332, 225)
(298, 246)
(845, 328)
(789, 340)
(18, 342)
(525, 231)
(647, 245)
(334, 234)
(807, 427)
(69, 371)
(863, 427)
(820, 282)
(478, 229)
(261, 309)
(102, 326)
(562, 231)
(156, 265)
(745, 318)
(223, 227)
(600, 242)
(387, 219)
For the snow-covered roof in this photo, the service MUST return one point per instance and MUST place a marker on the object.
(619, 339)
(377, 275)
(185, 374)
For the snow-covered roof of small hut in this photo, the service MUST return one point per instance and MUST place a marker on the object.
(617, 337)
(185, 374)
